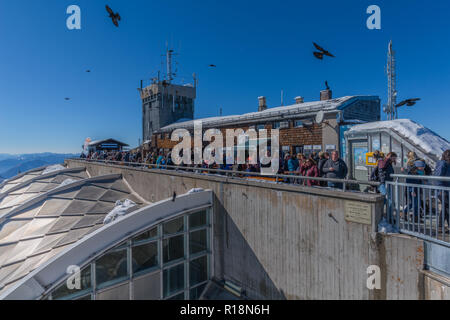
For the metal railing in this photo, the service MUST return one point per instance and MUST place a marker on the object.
(419, 209)
(277, 178)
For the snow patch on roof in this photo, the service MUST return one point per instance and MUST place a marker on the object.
(423, 137)
(121, 209)
(53, 168)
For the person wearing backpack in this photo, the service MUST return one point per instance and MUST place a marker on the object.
(443, 170)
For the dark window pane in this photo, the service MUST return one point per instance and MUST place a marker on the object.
(197, 219)
(197, 241)
(145, 256)
(150, 234)
(173, 279)
(173, 248)
(196, 292)
(85, 284)
(174, 226)
(111, 266)
(177, 297)
(198, 270)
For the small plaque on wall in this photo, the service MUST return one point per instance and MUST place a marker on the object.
(359, 212)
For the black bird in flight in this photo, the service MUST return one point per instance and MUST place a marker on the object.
(408, 102)
(66, 99)
(212, 65)
(115, 17)
(174, 196)
(88, 71)
(319, 55)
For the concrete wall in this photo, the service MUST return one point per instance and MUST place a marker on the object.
(437, 287)
(291, 242)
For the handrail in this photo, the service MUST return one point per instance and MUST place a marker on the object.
(233, 173)
(407, 176)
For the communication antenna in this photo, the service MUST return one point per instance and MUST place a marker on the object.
(390, 109)
(169, 56)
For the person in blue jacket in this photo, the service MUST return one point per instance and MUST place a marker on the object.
(443, 170)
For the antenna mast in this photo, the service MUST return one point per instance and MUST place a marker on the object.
(390, 109)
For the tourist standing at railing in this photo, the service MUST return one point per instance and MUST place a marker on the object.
(414, 200)
(293, 164)
(412, 157)
(383, 171)
(311, 171)
(159, 160)
(323, 157)
(443, 170)
(335, 168)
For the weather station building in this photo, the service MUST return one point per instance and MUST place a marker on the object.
(164, 102)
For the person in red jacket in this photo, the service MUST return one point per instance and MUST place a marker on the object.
(311, 170)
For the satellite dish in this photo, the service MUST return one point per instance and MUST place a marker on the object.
(319, 117)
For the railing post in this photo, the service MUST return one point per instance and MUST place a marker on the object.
(397, 206)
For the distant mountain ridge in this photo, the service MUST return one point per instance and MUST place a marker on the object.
(13, 164)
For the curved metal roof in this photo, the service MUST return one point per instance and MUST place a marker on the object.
(44, 223)
(49, 273)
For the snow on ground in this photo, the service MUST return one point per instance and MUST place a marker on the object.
(53, 168)
(120, 209)
(430, 141)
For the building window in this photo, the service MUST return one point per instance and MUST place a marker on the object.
(173, 249)
(298, 149)
(173, 280)
(174, 226)
(145, 257)
(260, 126)
(276, 125)
(112, 267)
(174, 254)
(148, 235)
(197, 219)
(307, 150)
(198, 241)
(298, 124)
(198, 270)
(63, 292)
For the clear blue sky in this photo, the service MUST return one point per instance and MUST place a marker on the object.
(259, 47)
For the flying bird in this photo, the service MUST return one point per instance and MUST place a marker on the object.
(66, 99)
(88, 71)
(115, 17)
(212, 65)
(319, 55)
(408, 102)
(174, 196)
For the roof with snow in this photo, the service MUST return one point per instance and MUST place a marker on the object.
(98, 142)
(44, 214)
(419, 135)
(301, 109)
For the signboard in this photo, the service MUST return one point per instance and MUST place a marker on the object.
(359, 157)
(317, 147)
(330, 147)
(359, 212)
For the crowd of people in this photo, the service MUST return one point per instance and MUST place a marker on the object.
(320, 164)
(415, 166)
